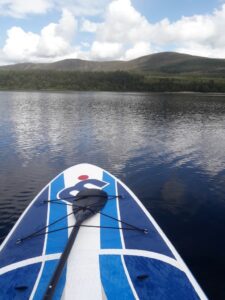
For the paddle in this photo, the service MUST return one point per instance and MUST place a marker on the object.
(87, 203)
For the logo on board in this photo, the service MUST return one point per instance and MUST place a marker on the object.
(84, 183)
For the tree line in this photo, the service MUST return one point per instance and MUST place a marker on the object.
(106, 81)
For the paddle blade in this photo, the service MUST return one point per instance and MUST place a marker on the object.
(88, 202)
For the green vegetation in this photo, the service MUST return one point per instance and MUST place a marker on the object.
(107, 81)
(160, 72)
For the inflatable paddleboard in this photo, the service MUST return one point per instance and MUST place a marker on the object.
(87, 236)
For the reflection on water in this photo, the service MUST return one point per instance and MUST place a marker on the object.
(168, 148)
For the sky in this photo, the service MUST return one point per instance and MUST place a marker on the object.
(52, 30)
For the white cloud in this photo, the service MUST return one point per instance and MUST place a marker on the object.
(20, 8)
(105, 50)
(139, 49)
(198, 35)
(83, 7)
(20, 44)
(196, 28)
(123, 24)
(202, 50)
(88, 26)
(53, 41)
(122, 33)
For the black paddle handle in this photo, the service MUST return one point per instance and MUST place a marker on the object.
(49, 293)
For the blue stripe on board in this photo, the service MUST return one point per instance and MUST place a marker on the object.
(34, 219)
(114, 279)
(22, 277)
(60, 286)
(131, 213)
(110, 239)
(56, 241)
(164, 282)
(46, 276)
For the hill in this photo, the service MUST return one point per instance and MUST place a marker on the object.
(159, 72)
(159, 63)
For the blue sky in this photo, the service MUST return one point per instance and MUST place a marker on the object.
(156, 10)
(50, 30)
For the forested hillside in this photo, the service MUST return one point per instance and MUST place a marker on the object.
(105, 81)
(156, 72)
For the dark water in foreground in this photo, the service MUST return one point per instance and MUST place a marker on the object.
(169, 149)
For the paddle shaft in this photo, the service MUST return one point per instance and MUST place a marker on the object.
(88, 198)
(49, 293)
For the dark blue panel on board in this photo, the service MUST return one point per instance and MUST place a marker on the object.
(131, 213)
(157, 280)
(18, 284)
(34, 219)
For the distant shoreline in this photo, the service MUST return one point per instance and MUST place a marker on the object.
(108, 91)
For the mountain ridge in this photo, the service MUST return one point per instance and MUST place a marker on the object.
(163, 62)
(159, 72)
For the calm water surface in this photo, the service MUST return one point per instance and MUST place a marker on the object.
(169, 149)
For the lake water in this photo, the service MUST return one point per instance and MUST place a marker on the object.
(168, 148)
